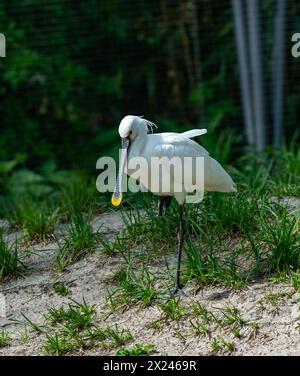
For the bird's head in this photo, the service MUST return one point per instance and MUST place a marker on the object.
(132, 126)
(129, 129)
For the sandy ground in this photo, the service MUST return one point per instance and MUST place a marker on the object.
(32, 294)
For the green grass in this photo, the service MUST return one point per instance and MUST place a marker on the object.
(216, 345)
(13, 211)
(25, 336)
(274, 298)
(75, 326)
(58, 344)
(229, 346)
(200, 328)
(231, 213)
(80, 241)
(133, 286)
(10, 262)
(137, 350)
(226, 320)
(282, 237)
(79, 195)
(295, 280)
(66, 340)
(112, 247)
(76, 315)
(221, 344)
(232, 316)
(36, 217)
(253, 174)
(109, 337)
(39, 220)
(34, 326)
(4, 338)
(172, 309)
(60, 288)
(206, 316)
(287, 169)
(119, 337)
(144, 227)
(209, 267)
(229, 238)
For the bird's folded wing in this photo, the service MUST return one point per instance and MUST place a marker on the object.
(174, 146)
(177, 145)
(194, 133)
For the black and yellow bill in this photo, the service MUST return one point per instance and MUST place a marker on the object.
(117, 196)
(116, 199)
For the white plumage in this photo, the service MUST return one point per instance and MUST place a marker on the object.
(171, 145)
(139, 141)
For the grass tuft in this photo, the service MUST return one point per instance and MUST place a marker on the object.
(73, 327)
(10, 262)
(80, 241)
(282, 237)
(4, 338)
(136, 350)
(172, 309)
(39, 221)
(60, 288)
(209, 267)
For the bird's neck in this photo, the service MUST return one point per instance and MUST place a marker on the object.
(138, 144)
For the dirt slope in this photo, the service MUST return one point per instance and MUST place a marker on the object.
(274, 308)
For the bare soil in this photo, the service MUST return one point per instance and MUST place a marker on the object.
(89, 278)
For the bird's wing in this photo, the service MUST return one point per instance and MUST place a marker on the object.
(194, 133)
(168, 146)
(177, 145)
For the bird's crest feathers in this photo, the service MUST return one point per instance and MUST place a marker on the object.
(149, 124)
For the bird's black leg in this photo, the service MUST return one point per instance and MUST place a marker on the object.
(164, 202)
(168, 200)
(179, 249)
(160, 206)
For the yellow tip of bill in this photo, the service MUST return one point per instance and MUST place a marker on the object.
(116, 201)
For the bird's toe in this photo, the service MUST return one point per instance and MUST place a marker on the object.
(177, 291)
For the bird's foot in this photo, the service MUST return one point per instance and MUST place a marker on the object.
(177, 291)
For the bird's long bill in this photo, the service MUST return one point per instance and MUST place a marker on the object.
(117, 196)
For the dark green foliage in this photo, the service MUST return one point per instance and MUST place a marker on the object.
(38, 220)
(207, 265)
(66, 88)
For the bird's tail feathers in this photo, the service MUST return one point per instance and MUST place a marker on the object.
(194, 133)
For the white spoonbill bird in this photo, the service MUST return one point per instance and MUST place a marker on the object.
(139, 141)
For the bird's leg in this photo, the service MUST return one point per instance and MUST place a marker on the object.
(179, 249)
(167, 200)
(160, 206)
(164, 202)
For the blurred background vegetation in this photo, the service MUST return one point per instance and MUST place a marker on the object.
(74, 69)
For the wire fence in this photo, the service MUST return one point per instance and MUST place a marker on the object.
(74, 69)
